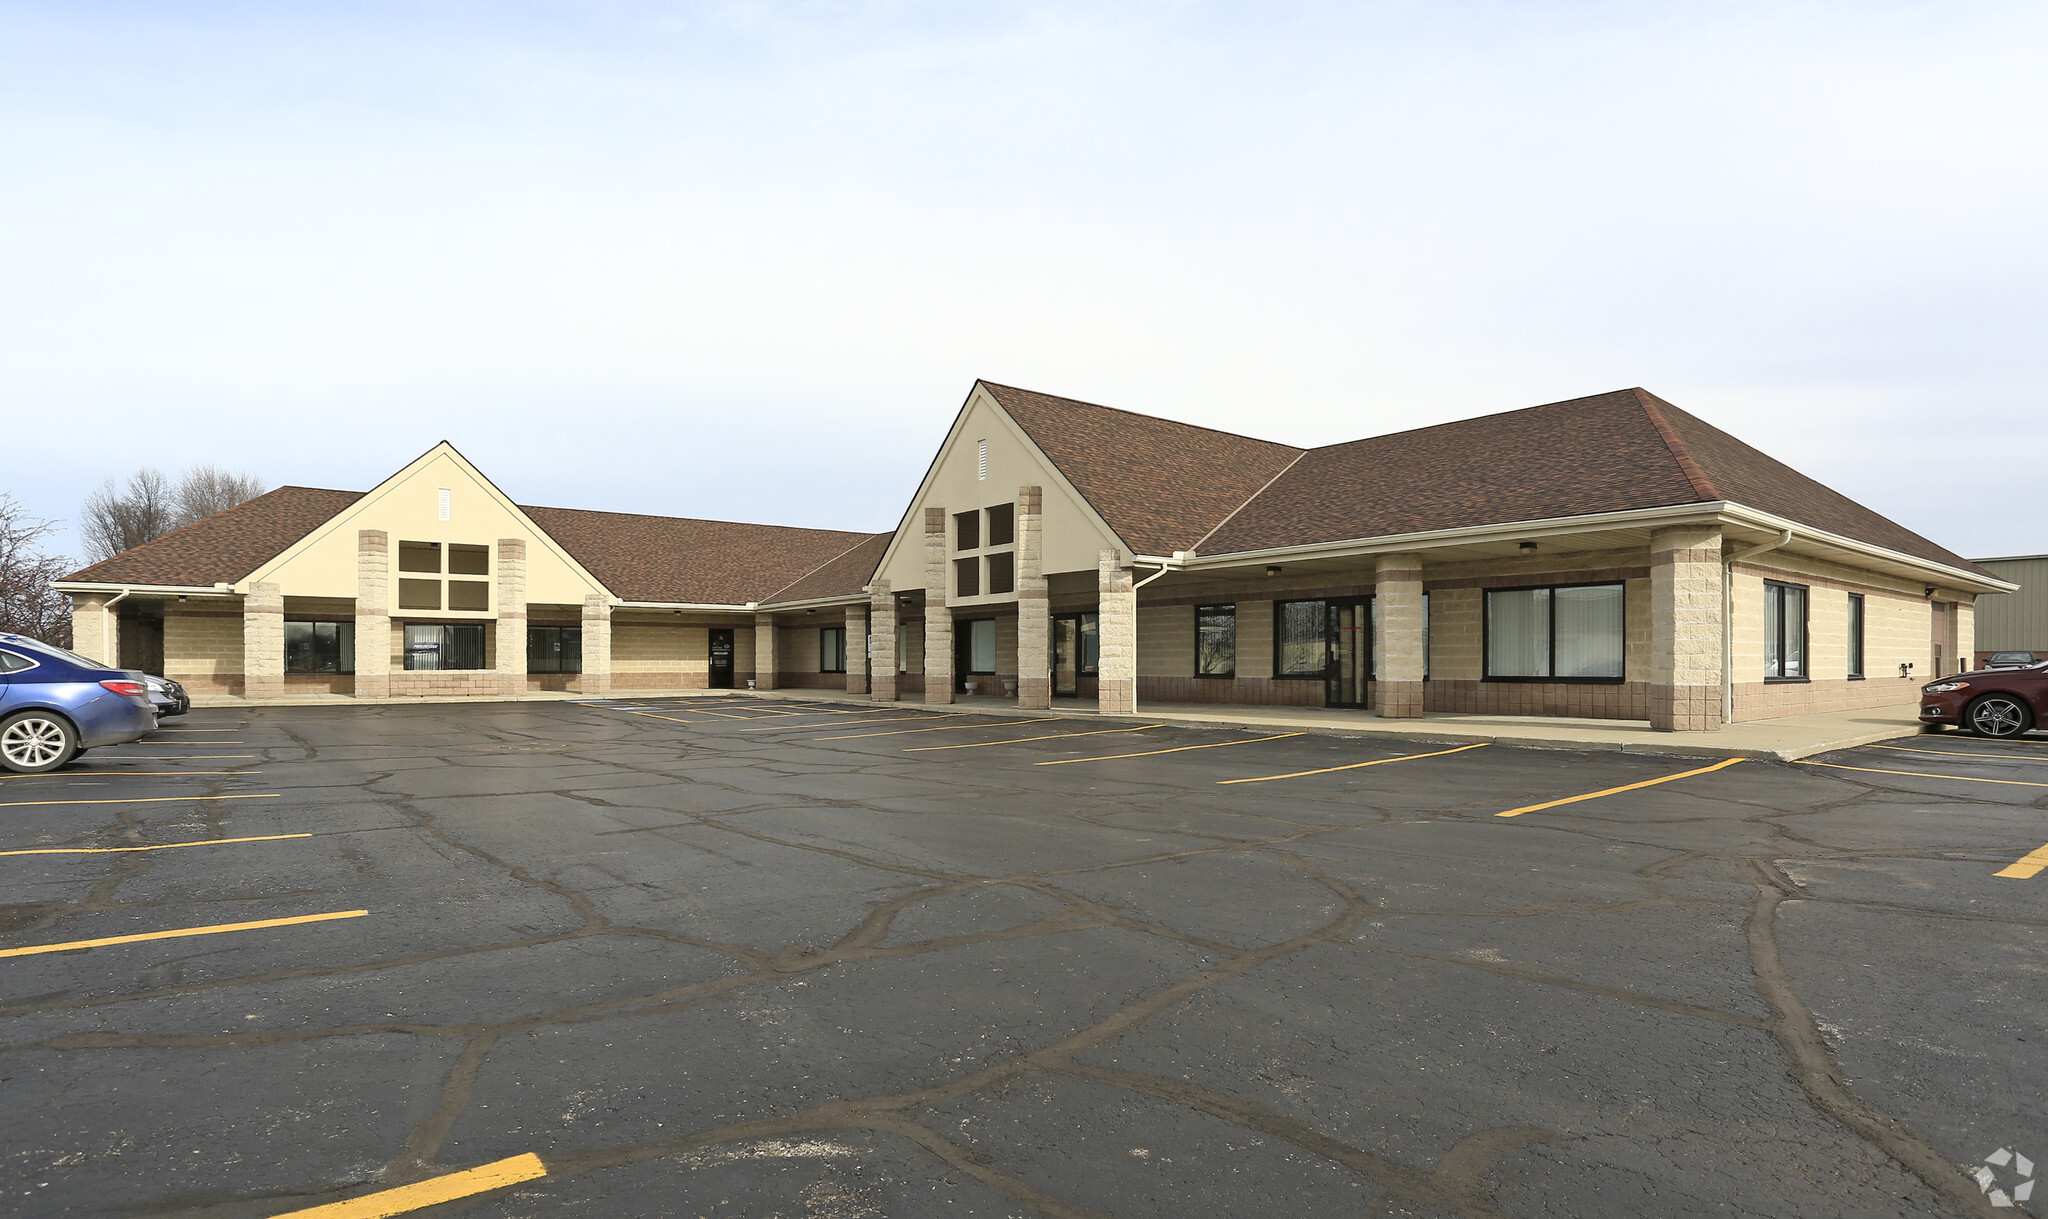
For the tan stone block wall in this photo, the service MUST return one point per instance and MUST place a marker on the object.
(372, 613)
(596, 678)
(882, 615)
(95, 631)
(1034, 614)
(203, 649)
(767, 651)
(856, 649)
(1897, 628)
(1457, 633)
(650, 654)
(938, 619)
(511, 629)
(1398, 661)
(1117, 607)
(263, 641)
(1685, 629)
(1166, 641)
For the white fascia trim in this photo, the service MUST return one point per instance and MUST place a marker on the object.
(1397, 542)
(183, 590)
(1953, 576)
(815, 602)
(682, 605)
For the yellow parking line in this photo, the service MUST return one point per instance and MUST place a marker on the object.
(1057, 736)
(143, 799)
(807, 714)
(102, 774)
(218, 929)
(177, 757)
(1964, 753)
(430, 1192)
(1915, 774)
(2027, 866)
(1353, 766)
(724, 715)
(855, 736)
(1111, 757)
(1626, 787)
(167, 846)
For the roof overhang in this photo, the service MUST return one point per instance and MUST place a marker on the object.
(179, 590)
(1718, 512)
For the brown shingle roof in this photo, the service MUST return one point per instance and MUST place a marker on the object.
(1161, 485)
(843, 576)
(668, 558)
(223, 548)
(1607, 453)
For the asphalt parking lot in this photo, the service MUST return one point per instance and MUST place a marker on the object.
(738, 957)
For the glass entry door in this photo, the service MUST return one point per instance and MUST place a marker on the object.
(1075, 654)
(1350, 651)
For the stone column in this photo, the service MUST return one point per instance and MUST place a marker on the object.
(1685, 629)
(1963, 624)
(767, 655)
(596, 677)
(511, 616)
(1397, 636)
(1034, 612)
(938, 616)
(882, 609)
(95, 631)
(263, 641)
(1117, 615)
(373, 613)
(856, 649)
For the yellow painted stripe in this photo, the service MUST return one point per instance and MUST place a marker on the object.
(1057, 736)
(2027, 866)
(38, 949)
(1354, 765)
(1965, 753)
(143, 800)
(1626, 787)
(168, 846)
(175, 757)
(123, 773)
(1916, 774)
(854, 736)
(876, 711)
(1111, 757)
(672, 719)
(431, 1192)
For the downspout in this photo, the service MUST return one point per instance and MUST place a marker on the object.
(1728, 563)
(1179, 558)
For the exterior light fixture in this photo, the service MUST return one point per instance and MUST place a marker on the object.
(1272, 571)
(1528, 546)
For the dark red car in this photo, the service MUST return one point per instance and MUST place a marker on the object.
(1989, 702)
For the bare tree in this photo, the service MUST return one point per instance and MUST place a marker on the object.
(118, 518)
(28, 605)
(207, 489)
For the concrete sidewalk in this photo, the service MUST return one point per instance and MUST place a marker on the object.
(1784, 739)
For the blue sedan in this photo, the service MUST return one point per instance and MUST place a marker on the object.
(55, 705)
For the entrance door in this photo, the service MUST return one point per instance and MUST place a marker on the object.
(1350, 651)
(1076, 646)
(721, 658)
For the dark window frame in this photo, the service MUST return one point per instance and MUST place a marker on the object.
(344, 657)
(967, 577)
(1857, 624)
(1006, 563)
(483, 647)
(995, 647)
(467, 549)
(1486, 633)
(440, 558)
(967, 531)
(1279, 615)
(561, 634)
(1805, 632)
(1221, 611)
(826, 650)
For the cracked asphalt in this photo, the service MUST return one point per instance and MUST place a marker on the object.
(745, 957)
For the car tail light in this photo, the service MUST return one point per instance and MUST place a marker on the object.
(130, 688)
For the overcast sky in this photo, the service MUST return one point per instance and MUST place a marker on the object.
(746, 260)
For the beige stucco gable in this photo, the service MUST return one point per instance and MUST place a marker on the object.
(1074, 534)
(407, 506)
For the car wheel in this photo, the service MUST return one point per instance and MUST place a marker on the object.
(1998, 715)
(32, 742)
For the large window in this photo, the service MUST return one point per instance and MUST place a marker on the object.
(1784, 632)
(319, 647)
(554, 649)
(435, 646)
(981, 645)
(1216, 641)
(1301, 638)
(967, 530)
(419, 556)
(967, 577)
(1855, 636)
(832, 649)
(468, 560)
(1562, 633)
